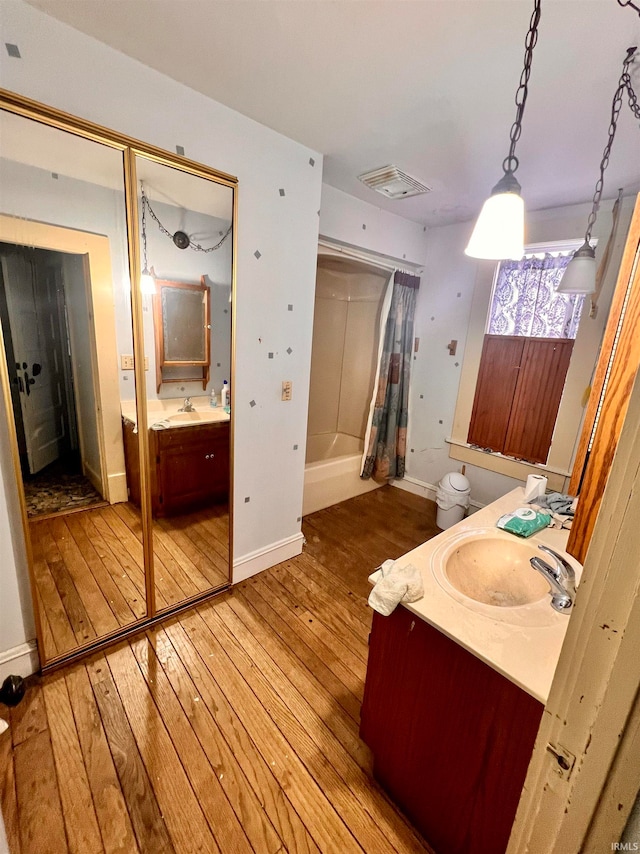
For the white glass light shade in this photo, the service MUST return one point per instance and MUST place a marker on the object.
(580, 275)
(499, 231)
(147, 282)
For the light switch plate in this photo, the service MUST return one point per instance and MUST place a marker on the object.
(287, 389)
(127, 363)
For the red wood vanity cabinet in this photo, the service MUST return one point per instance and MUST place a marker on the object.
(189, 467)
(451, 738)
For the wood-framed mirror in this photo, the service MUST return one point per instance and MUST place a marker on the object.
(182, 330)
(77, 370)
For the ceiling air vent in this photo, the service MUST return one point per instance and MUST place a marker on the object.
(393, 183)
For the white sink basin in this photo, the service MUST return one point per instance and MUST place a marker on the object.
(188, 416)
(182, 419)
(496, 572)
(488, 571)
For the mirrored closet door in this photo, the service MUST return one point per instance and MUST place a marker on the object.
(126, 514)
(186, 244)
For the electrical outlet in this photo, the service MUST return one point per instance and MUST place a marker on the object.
(287, 389)
(127, 363)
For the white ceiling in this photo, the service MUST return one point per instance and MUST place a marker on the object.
(427, 85)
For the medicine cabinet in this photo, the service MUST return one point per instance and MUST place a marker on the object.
(182, 331)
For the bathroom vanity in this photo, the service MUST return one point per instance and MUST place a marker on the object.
(189, 453)
(455, 687)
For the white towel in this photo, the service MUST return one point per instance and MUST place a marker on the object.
(394, 584)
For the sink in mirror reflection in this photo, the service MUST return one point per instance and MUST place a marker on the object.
(197, 417)
(489, 571)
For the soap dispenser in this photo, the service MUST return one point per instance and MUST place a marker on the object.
(213, 399)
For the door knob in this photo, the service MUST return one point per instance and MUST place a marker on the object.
(28, 382)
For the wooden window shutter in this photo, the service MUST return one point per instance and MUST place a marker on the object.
(520, 384)
(497, 378)
(543, 370)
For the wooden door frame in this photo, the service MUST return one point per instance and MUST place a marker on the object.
(593, 710)
(614, 376)
(104, 352)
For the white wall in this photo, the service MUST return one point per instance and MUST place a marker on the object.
(73, 72)
(17, 628)
(180, 265)
(345, 219)
(442, 314)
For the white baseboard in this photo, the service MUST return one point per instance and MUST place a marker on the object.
(117, 488)
(426, 490)
(20, 660)
(254, 562)
(416, 487)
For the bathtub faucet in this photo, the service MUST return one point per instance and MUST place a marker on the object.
(187, 406)
(560, 577)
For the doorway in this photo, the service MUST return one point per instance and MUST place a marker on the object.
(47, 355)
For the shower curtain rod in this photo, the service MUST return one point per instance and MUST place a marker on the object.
(371, 258)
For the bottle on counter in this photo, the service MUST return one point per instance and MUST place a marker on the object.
(213, 399)
(224, 394)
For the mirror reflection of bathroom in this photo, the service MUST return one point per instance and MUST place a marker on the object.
(186, 247)
(63, 264)
(344, 357)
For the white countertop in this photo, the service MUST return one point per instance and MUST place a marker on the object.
(525, 654)
(166, 412)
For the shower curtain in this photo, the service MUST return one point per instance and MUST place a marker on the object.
(386, 437)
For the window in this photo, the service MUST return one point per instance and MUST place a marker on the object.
(525, 357)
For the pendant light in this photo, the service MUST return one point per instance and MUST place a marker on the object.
(580, 275)
(499, 230)
(147, 279)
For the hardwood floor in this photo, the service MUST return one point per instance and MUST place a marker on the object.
(89, 573)
(231, 728)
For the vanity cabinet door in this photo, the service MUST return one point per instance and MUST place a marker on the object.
(451, 738)
(192, 468)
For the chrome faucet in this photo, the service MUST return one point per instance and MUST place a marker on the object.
(187, 406)
(560, 577)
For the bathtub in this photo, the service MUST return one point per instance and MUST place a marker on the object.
(332, 471)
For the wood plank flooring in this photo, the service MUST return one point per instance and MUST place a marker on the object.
(232, 728)
(89, 574)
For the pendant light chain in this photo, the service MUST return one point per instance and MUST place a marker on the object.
(629, 3)
(511, 162)
(144, 229)
(633, 98)
(624, 84)
(191, 245)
